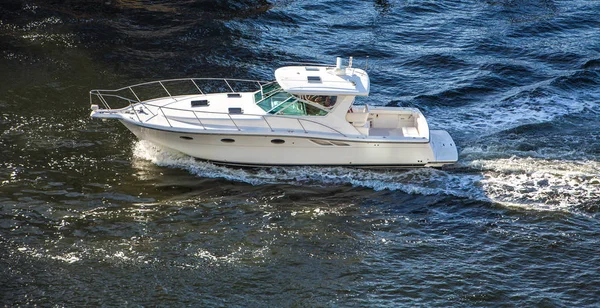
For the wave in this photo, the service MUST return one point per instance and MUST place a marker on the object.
(417, 181)
(530, 183)
(541, 184)
(525, 108)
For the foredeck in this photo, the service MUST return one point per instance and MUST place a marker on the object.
(214, 113)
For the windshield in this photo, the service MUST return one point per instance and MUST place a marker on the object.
(274, 100)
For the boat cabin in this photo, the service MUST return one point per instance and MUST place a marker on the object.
(312, 90)
(324, 91)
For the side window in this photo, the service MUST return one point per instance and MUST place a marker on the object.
(274, 101)
(301, 108)
(312, 110)
(325, 101)
(295, 108)
(257, 96)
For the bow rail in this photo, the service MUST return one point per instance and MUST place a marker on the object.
(139, 100)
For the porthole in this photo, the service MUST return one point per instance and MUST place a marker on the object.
(278, 141)
(227, 140)
(186, 138)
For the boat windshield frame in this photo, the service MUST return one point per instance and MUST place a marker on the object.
(274, 100)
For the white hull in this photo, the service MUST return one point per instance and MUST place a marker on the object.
(265, 150)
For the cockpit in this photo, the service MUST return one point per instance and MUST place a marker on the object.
(274, 100)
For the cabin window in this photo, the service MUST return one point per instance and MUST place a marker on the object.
(321, 100)
(301, 108)
(258, 96)
(274, 100)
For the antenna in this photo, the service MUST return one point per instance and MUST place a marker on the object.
(350, 63)
(367, 63)
(339, 70)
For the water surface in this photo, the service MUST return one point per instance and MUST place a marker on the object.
(91, 216)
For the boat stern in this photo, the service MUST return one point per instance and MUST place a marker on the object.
(443, 147)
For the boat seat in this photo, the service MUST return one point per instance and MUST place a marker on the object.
(358, 118)
(410, 131)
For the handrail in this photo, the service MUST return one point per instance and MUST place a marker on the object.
(228, 85)
(102, 95)
(166, 118)
(197, 87)
(102, 99)
(197, 118)
(305, 131)
(233, 121)
(183, 79)
(312, 64)
(264, 117)
(138, 116)
(162, 85)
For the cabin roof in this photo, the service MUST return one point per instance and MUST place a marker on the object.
(319, 80)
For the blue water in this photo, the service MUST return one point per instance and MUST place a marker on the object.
(91, 216)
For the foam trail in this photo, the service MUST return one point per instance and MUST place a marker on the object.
(415, 181)
(493, 117)
(532, 183)
(167, 158)
(540, 183)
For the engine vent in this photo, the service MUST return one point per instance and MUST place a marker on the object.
(314, 79)
(329, 143)
(320, 142)
(200, 103)
(236, 110)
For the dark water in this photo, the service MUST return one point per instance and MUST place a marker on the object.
(91, 216)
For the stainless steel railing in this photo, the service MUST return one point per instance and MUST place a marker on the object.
(273, 122)
(150, 92)
(158, 89)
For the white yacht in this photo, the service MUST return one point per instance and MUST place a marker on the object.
(307, 116)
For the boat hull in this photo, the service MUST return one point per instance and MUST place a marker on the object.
(297, 150)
